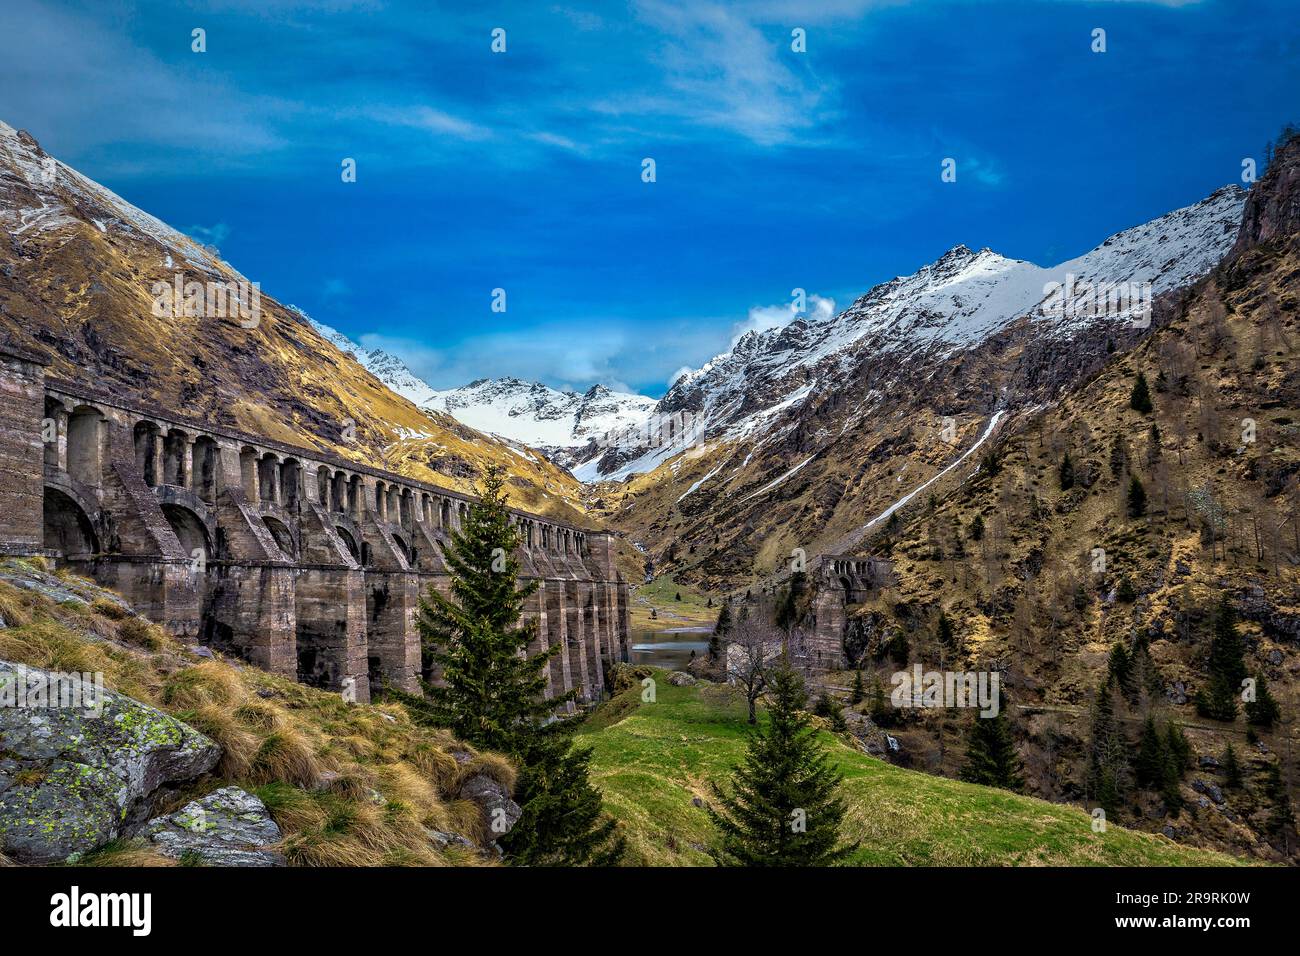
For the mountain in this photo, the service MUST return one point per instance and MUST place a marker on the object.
(1042, 564)
(529, 413)
(86, 277)
(540, 416)
(800, 436)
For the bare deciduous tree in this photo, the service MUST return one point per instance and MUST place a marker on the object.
(753, 649)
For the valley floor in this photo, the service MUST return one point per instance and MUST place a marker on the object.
(651, 760)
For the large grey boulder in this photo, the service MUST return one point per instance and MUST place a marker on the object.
(229, 827)
(493, 799)
(79, 765)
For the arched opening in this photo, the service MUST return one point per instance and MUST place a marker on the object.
(68, 531)
(444, 517)
(204, 475)
(339, 492)
(269, 477)
(147, 447)
(323, 487)
(248, 472)
(405, 505)
(349, 542)
(56, 414)
(283, 539)
(176, 448)
(86, 445)
(381, 501)
(290, 477)
(354, 495)
(190, 531)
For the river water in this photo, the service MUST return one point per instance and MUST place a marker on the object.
(670, 649)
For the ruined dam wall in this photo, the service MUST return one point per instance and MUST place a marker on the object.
(305, 564)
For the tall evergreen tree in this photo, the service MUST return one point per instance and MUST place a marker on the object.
(1226, 666)
(1177, 752)
(859, 692)
(881, 713)
(1280, 815)
(1263, 711)
(720, 631)
(1119, 668)
(1150, 762)
(491, 690)
(1108, 773)
(1140, 398)
(943, 634)
(1137, 497)
(991, 757)
(977, 528)
(782, 808)
(1066, 473)
(1231, 768)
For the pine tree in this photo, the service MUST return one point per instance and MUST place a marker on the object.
(1137, 497)
(1108, 775)
(1177, 752)
(1067, 473)
(1231, 768)
(1146, 679)
(720, 631)
(1140, 399)
(563, 823)
(1226, 667)
(977, 528)
(943, 633)
(1263, 711)
(1149, 765)
(1119, 456)
(1119, 668)
(1280, 815)
(782, 808)
(859, 693)
(881, 714)
(832, 711)
(991, 757)
(491, 692)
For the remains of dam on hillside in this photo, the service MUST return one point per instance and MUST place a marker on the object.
(302, 563)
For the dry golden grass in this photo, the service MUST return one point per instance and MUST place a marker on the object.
(348, 784)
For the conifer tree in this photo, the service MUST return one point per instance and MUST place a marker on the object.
(1280, 815)
(1150, 763)
(991, 757)
(1226, 667)
(1067, 473)
(1119, 668)
(943, 633)
(859, 693)
(977, 528)
(720, 631)
(1137, 497)
(782, 808)
(900, 649)
(1263, 711)
(1108, 773)
(1140, 398)
(491, 691)
(1231, 768)
(1177, 753)
(881, 714)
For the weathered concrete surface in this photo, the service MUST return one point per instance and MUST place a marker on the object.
(304, 564)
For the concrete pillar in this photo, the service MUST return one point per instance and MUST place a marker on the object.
(393, 643)
(22, 453)
(331, 629)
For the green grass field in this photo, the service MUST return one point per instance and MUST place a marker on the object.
(661, 594)
(651, 759)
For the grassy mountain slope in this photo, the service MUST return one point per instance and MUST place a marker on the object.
(652, 759)
(1035, 597)
(348, 784)
(77, 281)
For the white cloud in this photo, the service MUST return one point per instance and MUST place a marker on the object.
(766, 317)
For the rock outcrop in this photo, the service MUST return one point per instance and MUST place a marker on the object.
(229, 827)
(74, 777)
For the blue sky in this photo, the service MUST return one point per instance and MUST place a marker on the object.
(522, 170)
